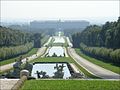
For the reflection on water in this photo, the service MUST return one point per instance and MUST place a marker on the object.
(50, 70)
(58, 50)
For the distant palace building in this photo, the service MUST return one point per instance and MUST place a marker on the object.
(58, 24)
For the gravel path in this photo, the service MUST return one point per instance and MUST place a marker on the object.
(7, 84)
(39, 53)
(92, 68)
(69, 43)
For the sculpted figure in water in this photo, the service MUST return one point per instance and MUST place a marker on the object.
(59, 73)
(41, 74)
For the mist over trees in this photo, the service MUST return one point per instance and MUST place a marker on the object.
(9, 37)
(100, 41)
(58, 24)
(51, 26)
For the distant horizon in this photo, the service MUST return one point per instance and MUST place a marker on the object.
(94, 20)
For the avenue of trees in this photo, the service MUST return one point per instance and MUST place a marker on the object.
(8, 52)
(16, 42)
(100, 41)
(102, 53)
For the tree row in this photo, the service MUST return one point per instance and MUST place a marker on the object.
(16, 42)
(102, 53)
(101, 42)
(9, 52)
(107, 35)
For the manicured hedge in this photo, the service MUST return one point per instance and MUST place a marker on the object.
(8, 52)
(108, 55)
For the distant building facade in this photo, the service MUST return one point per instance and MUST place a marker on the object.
(54, 24)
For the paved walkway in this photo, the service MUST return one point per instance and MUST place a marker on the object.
(39, 53)
(92, 68)
(7, 84)
(69, 43)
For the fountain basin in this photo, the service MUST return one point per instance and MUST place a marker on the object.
(51, 70)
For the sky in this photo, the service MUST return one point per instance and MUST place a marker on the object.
(94, 11)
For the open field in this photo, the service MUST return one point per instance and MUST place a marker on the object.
(31, 52)
(108, 66)
(71, 85)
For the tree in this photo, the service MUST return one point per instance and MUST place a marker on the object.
(37, 41)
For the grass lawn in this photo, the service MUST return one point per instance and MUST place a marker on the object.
(64, 59)
(58, 44)
(31, 52)
(71, 85)
(53, 59)
(108, 66)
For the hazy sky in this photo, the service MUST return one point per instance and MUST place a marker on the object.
(43, 10)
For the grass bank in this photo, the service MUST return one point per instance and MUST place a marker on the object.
(98, 62)
(31, 52)
(71, 85)
(53, 59)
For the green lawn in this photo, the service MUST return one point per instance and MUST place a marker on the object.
(53, 59)
(57, 44)
(31, 52)
(60, 44)
(108, 66)
(71, 85)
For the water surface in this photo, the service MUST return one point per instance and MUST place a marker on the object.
(58, 50)
(50, 69)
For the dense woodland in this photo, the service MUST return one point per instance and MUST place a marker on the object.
(9, 37)
(100, 41)
(16, 42)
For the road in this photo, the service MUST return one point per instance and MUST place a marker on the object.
(92, 68)
(39, 53)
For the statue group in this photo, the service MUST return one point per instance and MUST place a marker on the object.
(18, 66)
